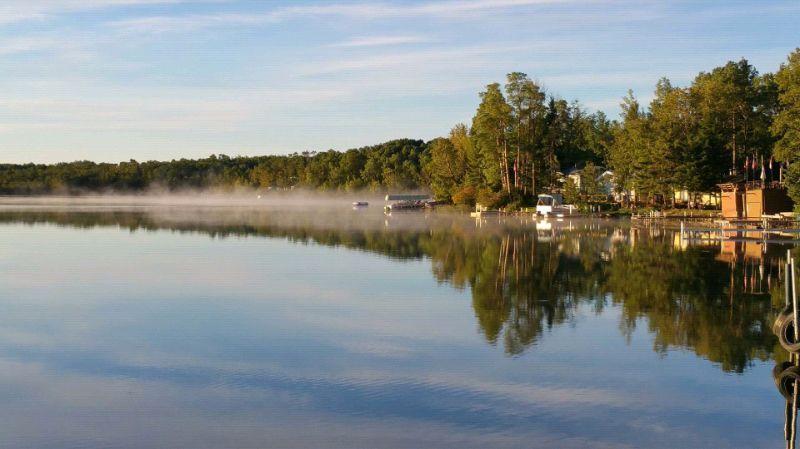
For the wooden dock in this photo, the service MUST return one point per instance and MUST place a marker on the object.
(747, 231)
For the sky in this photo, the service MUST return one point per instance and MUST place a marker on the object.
(114, 80)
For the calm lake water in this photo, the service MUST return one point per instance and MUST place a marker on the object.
(241, 327)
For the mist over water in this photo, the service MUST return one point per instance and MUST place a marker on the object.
(200, 198)
(205, 322)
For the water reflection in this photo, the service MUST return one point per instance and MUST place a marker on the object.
(786, 376)
(525, 278)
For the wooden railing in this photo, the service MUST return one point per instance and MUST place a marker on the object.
(752, 185)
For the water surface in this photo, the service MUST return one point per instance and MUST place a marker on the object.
(281, 327)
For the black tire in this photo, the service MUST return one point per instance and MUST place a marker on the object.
(785, 381)
(779, 368)
(784, 329)
(783, 315)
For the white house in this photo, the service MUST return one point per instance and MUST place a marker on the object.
(605, 180)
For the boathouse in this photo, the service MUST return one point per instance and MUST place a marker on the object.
(754, 199)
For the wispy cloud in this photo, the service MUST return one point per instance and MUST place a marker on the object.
(359, 11)
(26, 44)
(409, 59)
(185, 109)
(164, 24)
(60, 49)
(377, 41)
(19, 10)
(71, 114)
(386, 10)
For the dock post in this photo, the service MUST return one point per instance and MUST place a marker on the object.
(787, 286)
(794, 302)
(793, 429)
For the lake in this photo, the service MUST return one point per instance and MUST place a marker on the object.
(125, 326)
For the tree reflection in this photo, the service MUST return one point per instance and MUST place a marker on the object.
(692, 300)
(717, 301)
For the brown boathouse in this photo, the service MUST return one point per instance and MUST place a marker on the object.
(754, 199)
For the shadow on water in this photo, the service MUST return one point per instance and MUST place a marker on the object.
(718, 300)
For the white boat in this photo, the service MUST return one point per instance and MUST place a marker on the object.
(553, 205)
(360, 204)
(548, 204)
(408, 202)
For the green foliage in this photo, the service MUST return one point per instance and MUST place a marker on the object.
(695, 137)
(630, 143)
(491, 199)
(452, 163)
(792, 179)
(490, 129)
(391, 165)
(735, 106)
(590, 184)
(571, 193)
(466, 196)
(786, 127)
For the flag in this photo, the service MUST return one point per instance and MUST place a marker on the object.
(746, 168)
(772, 168)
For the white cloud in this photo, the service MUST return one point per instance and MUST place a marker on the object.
(465, 57)
(363, 11)
(603, 79)
(163, 24)
(72, 114)
(376, 41)
(387, 10)
(19, 10)
(185, 110)
(26, 44)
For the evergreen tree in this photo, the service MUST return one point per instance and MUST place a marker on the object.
(786, 127)
(490, 126)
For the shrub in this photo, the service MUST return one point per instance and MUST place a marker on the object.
(465, 196)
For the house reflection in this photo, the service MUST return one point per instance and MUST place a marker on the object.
(759, 261)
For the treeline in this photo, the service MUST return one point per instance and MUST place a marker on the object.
(391, 165)
(520, 142)
(688, 138)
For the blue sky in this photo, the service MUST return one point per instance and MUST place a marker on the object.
(111, 80)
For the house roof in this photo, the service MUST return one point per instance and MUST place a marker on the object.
(732, 180)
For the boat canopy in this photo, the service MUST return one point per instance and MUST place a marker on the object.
(549, 200)
(407, 197)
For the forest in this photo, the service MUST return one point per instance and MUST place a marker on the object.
(521, 141)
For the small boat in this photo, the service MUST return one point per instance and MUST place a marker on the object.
(409, 202)
(552, 205)
(406, 205)
(360, 204)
